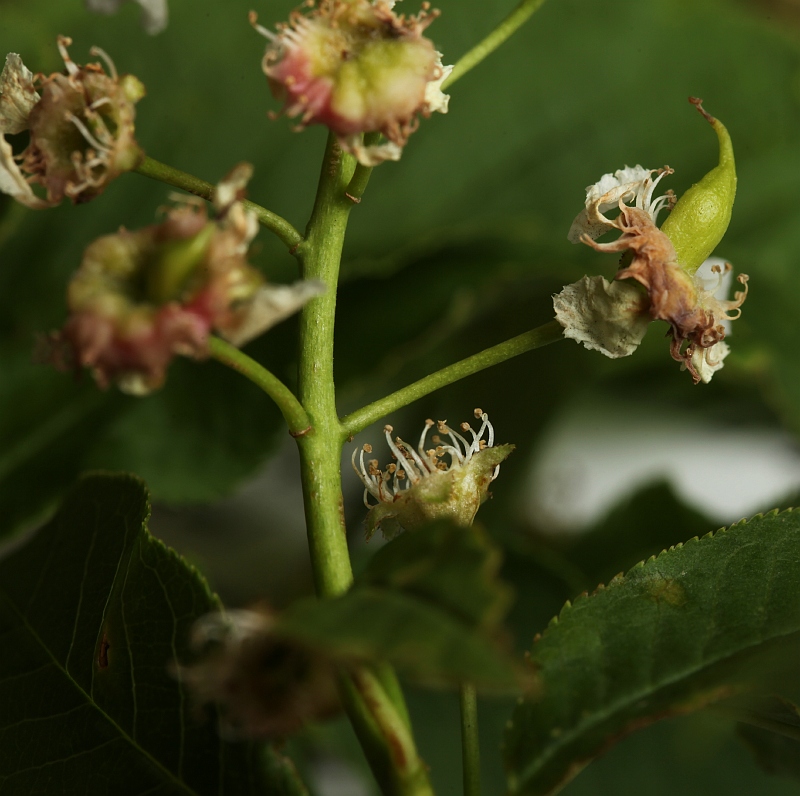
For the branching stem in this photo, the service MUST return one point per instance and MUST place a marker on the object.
(205, 190)
(536, 338)
(377, 713)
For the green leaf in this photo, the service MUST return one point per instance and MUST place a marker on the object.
(94, 614)
(771, 729)
(427, 602)
(696, 624)
(454, 568)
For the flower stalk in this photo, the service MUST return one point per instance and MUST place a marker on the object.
(291, 409)
(504, 31)
(156, 170)
(536, 338)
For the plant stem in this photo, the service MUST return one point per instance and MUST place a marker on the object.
(205, 190)
(377, 716)
(358, 183)
(291, 409)
(536, 338)
(510, 25)
(320, 451)
(470, 745)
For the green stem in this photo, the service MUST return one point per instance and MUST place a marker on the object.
(470, 745)
(379, 723)
(510, 25)
(536, 338)
(358, 183)
(320, 451)
(292, 410)
(205, 190)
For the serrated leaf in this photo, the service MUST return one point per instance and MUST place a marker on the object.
(401, 610)
(94, 612)
(674, 634)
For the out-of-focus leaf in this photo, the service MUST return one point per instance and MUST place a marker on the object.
(453, 568)
(771, 729)
(689, 627)
(438, 630)
(94, 612)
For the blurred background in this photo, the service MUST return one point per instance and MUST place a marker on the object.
(456, 248)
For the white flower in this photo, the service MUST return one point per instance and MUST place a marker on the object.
(448, 481)
(155, 13)
(610, 317)
(613, 190)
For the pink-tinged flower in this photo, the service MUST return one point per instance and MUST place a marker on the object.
(448, 481)
(357, 67)
(141, 297)
(81, 127)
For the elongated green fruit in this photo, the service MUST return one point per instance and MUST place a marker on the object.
(699, 219)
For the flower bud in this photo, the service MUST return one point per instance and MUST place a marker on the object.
(700, 218)
(81, 128)
(449, 481)
(141, 297)
(357, 67)
(264, 686)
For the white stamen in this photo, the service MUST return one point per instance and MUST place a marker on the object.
(112, 70)
(84, 130)
(63, 42)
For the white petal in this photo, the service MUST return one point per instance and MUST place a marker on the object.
(13, 182)
(707, 361)
(232, 186)
(370, 155)
(608, 317)
(270, 305)
(720, 288)
(435, 99)
(17, 95)
(604, 195)
(592, 226)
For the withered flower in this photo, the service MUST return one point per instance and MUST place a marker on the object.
(141, 297)
(675, 293)
(263, 685)
(357, 67)
(448, 481)
(81, 126)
